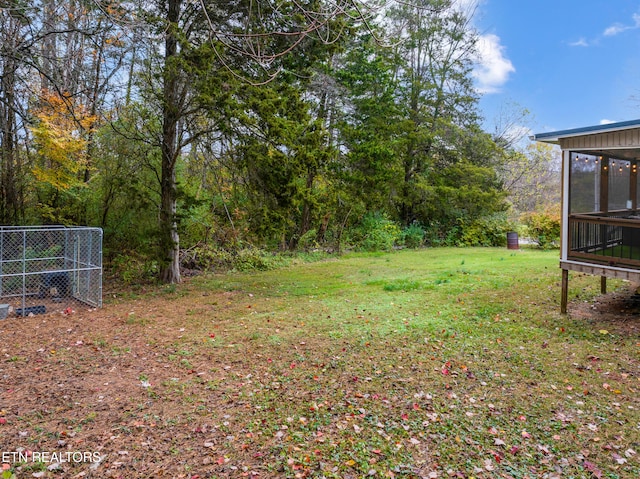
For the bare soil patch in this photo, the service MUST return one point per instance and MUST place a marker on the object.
(618, 311)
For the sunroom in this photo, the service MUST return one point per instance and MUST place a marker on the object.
(600, 197)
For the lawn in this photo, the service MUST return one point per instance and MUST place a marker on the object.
(434, 363)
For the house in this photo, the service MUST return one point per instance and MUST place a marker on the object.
(600, 216)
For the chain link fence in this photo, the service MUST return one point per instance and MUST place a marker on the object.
(49, 268)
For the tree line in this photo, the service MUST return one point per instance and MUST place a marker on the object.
(181, 124)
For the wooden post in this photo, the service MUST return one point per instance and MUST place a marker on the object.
(565, 291)
(604, 198)
(603, 285)
(633, 185)
(604, 184)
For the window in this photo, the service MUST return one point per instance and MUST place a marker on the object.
(584, 183)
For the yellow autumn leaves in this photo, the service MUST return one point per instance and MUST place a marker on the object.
(60, 133)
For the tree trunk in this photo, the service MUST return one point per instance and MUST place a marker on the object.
(169, 239)
(9, 202)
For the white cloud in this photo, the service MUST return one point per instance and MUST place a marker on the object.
(615, 29)
(618, 28)
(582, 42)
(493, 67)
(604, 121)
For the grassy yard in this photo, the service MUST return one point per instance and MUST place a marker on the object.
(417, 364)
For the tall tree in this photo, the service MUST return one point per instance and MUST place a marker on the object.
(250, 39)
(9, 37)
(437, 90)
(372, 122)
(172, 106)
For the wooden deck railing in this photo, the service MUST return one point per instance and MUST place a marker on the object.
(613, 239)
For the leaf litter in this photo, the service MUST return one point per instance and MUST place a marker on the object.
(223, 394)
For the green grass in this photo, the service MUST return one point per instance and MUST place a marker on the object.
(439, 361)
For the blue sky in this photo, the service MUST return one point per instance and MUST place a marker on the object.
(571, 63)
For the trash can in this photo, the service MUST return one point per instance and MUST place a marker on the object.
(512, 240)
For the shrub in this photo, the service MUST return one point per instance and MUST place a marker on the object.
(206, 257)
(486, 231)
(543, 227)
(308, 240)
(375, 233)
(133, 269)
(413, 236)
(437, 234)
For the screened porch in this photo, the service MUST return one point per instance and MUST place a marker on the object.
(603, 218)
(600, 215)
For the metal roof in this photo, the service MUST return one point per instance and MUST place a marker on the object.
(555, 136)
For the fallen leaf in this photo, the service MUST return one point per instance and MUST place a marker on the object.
(591, 467)
(619, 459)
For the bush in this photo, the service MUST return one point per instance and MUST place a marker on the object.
(133, 269)
(487, 231)
(413, 236)
(438, 234)
(375, 233)
(308, 240)
(543, 227)
(206, 257)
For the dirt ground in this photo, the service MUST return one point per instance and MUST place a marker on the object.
(88, 392)
(619, 310)
(105, 393)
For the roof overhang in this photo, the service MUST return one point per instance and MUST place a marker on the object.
(612, 139)
(555, 136)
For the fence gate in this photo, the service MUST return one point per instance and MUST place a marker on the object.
(49, 268)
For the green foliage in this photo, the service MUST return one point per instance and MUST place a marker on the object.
(133, 269)
(293, 163)
(544, 227)
(401, 285)
(375, 232)
(308, 240)
(211, 258)
(490, 230)
(486, 231)
(413, 236)
(125, 191)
